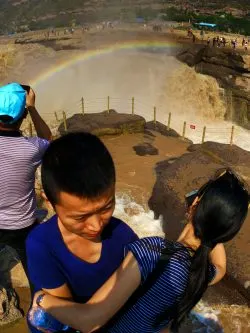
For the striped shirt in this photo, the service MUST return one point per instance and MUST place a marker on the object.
(139, 316)
(20, 157)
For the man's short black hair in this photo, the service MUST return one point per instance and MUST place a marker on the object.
(78, 164)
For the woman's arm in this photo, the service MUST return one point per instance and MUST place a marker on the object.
(218, 259)
(103, 304)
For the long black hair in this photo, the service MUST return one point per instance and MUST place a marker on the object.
(218, 215)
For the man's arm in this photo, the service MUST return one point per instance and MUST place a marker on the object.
(42, 129)
(103, 304)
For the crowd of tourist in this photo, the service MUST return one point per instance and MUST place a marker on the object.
(220, 41)
(88, 270)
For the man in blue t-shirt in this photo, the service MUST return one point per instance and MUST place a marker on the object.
(78, 249)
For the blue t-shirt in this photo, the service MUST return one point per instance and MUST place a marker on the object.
(139, 314)
(51, 264)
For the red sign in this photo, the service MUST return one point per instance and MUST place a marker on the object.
(192, 126)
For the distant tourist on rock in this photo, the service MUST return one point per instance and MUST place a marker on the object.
(20, 157)
(78, 249)
(234, 43)
(160, 281)
(246, 45)
(189, 32)
(202, 34)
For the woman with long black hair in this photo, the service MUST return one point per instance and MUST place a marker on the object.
(159, 281)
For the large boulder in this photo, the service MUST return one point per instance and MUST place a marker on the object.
(145, 148)
(161, 128)
(104, 123)
(177, 177)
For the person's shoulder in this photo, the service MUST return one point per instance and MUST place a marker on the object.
(39, 143)
(120, 229)
(147, 245)
(147, 252)
(43, 232)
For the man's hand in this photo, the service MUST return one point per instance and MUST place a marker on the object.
(30, 98)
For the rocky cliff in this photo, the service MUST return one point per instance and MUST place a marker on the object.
(176, 177)
(232, 71)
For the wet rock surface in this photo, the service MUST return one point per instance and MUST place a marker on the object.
(104, 123)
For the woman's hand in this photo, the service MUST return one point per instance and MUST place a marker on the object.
(38, 293)
(31, 316)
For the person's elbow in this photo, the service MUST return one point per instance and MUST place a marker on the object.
(47, 136)
(89, 323)
(220, 273)
(91, 327)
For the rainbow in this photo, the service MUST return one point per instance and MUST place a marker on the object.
(103, 50)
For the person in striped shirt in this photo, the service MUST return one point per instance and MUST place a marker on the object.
(20, 157)
(159, 281)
